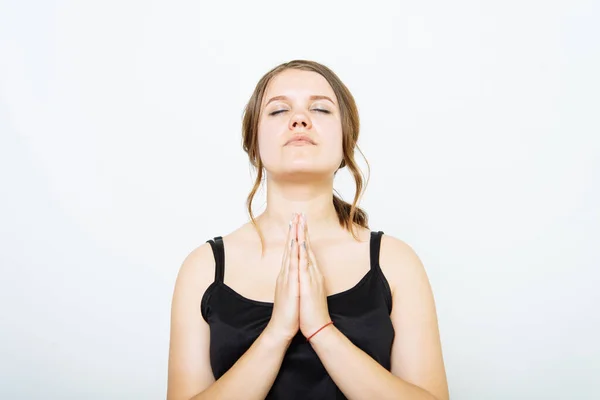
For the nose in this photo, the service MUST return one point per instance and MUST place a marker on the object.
(300, 120)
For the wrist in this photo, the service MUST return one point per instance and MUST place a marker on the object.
(275, 339)
(319, 331)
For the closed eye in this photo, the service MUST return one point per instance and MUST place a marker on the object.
(314, 109)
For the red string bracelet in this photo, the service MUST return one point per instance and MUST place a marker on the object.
(319, 330)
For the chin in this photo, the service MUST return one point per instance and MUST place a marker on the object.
(301, 166)
(299, 170)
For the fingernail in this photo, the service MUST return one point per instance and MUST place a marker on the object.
(292, 243)
(304, 245)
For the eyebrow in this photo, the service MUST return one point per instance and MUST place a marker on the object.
(313, 97)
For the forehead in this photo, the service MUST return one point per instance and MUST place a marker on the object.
(298, 83)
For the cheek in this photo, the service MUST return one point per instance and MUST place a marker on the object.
(334, 140)
(267, 146)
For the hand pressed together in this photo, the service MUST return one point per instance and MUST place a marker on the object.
(314, 312)
(300, 293)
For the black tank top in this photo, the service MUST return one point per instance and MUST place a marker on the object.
(362, 313)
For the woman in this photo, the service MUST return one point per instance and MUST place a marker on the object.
(304, 301)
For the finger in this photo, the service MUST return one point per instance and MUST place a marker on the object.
(306, 234)
(305, 275)
(302, 242)
(312, 261)
(293, 259)
(313, 268)
(309, 253)
(287, 248)
(306, 278)
(292, 277)
(289, 234)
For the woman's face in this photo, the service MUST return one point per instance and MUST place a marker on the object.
(300, 128)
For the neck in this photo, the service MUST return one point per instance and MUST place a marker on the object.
(314, 199)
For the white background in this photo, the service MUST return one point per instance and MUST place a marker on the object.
(120, 152)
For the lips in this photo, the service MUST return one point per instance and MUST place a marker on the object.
(300, 139)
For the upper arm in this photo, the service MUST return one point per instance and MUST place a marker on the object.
(416, 352)
(189, 371)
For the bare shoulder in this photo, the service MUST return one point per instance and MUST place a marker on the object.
(197, 270)
(198, 267)
(394, 251)
(400, 263)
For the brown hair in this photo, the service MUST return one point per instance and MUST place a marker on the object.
(348, 214)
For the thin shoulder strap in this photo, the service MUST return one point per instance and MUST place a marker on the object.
(375, 250)
(219, 253)
(375, 247)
